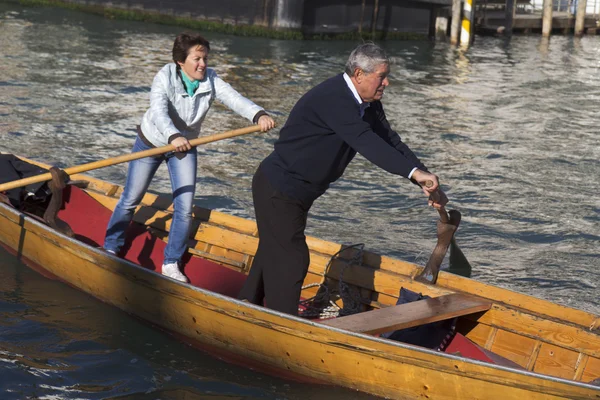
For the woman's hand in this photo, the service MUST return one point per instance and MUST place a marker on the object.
(181, 144)
(266, 123)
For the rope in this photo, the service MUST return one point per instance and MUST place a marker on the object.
(323, 305)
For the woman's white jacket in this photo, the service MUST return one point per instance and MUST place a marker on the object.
(172, 111)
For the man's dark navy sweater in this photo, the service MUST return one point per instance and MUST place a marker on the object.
(322, 135)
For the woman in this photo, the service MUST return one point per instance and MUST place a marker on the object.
(181, 95)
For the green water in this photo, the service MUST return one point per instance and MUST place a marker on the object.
(510, 126)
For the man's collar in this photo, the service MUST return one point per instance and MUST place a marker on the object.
(361, 104)
(352, 88)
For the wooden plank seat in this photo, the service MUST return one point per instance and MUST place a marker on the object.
(411, 314)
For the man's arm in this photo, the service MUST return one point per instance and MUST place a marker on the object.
(394, 138)
(419, 175)
(359, 135)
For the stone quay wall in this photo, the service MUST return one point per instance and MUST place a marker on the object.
(306, 17)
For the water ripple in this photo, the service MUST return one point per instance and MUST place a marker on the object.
(510, 126)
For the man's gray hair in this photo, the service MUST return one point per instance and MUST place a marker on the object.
(367, 57)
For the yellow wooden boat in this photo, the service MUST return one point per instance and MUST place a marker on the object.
(516, 346)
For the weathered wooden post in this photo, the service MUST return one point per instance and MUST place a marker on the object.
(580, 17)
(455, 27)
(266, 19)
(438, 23)
(433, 12)
(567, 30)
(510, 16)
(362, 16)
(468, 23)
(375, 15)
(547, 18)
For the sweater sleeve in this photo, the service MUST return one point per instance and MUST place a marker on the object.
(395, 139)
(359, 135)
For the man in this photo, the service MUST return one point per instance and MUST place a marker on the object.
(325, 129)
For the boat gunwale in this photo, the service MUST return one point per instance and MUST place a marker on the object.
(286, 329)
(446, 282)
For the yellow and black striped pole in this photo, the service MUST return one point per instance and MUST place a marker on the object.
(466, 32)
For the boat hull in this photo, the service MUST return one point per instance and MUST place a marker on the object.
(270, 339)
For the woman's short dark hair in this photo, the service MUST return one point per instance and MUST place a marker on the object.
(186, 41)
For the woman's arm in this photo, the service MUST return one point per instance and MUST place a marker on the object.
(159, 108)
(235, 101)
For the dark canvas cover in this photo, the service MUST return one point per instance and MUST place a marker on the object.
(11, 169)
(433, 336)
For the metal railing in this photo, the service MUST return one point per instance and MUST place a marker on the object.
(570, 6)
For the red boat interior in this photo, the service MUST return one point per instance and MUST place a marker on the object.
(88, 219)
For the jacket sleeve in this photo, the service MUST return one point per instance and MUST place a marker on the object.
(395, 139)
(159, 106)
(346, 123)
(235, 101)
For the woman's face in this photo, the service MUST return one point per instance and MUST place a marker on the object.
(195, 64)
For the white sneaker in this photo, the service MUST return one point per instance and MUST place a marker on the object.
(172, 271)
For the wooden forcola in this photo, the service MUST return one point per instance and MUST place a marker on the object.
(446, 227)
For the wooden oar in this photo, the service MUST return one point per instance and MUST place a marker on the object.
(446, 227)
(128, 157)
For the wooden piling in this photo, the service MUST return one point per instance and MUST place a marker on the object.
(375, 15)
(266, 6)
(510, 16)
(362, 16)
(466, 32)
(547, 18)
(433, 13)
(580, 17)
(455, 26)
(440, 24)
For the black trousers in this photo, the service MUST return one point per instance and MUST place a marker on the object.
(282, 258)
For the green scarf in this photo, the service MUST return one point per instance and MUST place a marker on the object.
(190, 86)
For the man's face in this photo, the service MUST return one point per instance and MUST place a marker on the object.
(370, 86)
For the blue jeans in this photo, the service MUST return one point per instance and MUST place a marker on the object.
(183, 183)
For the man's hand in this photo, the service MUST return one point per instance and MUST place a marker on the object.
(181, 144)
(431, 187)
(438, 199)
(266, 123)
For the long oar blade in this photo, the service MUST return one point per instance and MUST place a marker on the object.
(458, 263)
(446, 227)
(128, 157)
